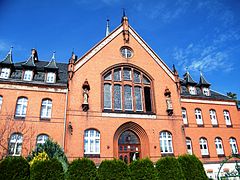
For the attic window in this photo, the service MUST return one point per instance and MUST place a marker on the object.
(51, 77)
(126, 52)
(192, 90)
(206, 91)
(5, 73)
(28, 75)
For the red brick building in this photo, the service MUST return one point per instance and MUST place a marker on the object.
(119, 100)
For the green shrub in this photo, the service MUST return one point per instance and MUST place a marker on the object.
(14, 168)
(113, 169)
(81, 169)
(169, 168)
(192, 167)
(142, 169)
(47, 170)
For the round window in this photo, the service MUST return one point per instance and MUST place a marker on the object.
(126, 52)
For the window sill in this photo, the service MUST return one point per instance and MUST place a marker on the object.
(200, 125)
(92, 155)
(230, 126)
(167, 154)
(205, 156)
(45, 119)
(215, 125)
(130, 115)
(19, 117)
(186, 125)
(221, 155)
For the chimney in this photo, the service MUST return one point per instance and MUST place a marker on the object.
(35, 55)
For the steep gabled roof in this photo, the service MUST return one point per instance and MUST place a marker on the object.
(29, 62)
(52, 64)
(203, 82)
(86, 57)
(8, 59)
(188, 79)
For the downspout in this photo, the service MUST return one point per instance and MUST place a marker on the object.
(65, 120)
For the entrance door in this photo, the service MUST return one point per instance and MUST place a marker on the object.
(129, 147)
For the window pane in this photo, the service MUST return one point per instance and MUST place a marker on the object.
(107, 96)
(117, 75)
(108, 76)
(137, 78)
(127, 74)
(128, 97)
(146, 80)
(138, 96)
(117, 97)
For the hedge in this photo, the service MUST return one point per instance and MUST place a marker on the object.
(14, 168)
(142, 169)
(113, 169)
(169, 168)
(47, 170)
(192, 167)
(81, 169)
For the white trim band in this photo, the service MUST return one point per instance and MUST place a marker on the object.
(138, 116)
(208, 102)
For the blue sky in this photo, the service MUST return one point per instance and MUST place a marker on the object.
(198, 35)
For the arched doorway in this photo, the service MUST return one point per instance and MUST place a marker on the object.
(138, 142)
(129, 147)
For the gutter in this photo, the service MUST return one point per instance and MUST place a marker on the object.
(65, 119)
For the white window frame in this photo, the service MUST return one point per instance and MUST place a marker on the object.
(1, 100)
(45, 107)
(126, 52)
(219, 146)
(189, 143)
(227, 118)
(5, 73)
(213, 117)
(203, 146)
(206, 91)
(198, 115)
(28, 75)
(41, 139)
(184, 116)
(192, 90)
(15, 144)
(166, 145)
(91, 136)
(51, 77)
(233, 145)
(22, 105)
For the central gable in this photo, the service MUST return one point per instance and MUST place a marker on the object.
(120, 31)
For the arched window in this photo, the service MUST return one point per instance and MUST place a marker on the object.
(91, 142)
(42, 138)
(213, 117)
(46, 109)
(21, 107)
(127, 89)
(203, 146)
(189, 146)
(1, 98)
(184, 116)
(15, 144)
(227, 117)
(166, 142)
(233, 145)
(219, 146)
(198, 115)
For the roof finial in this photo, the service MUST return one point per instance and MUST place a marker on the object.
(53, 56)
(10, 51)
(124, 12)
(200, 72)
(107, 28)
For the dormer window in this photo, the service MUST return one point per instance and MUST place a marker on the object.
(206, 91)
(192, 90)
(5, 73)
(51, 77)
(28, 75)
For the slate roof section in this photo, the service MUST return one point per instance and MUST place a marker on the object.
(39, 74)
(8, 59)
(203, 82)
(188, 79)
(29, 62)
(52, 64)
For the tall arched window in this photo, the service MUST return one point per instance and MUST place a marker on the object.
(42, 138)
(219, 146)
(21, 107)
(127, 89)
(166, 142)
(189, 146)
(213, 117)
(203, 146)
(184, 116)
(227, 117)
(15, 144)
(91, 142)
(233, 145)
(198, 115)
(46, 109)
